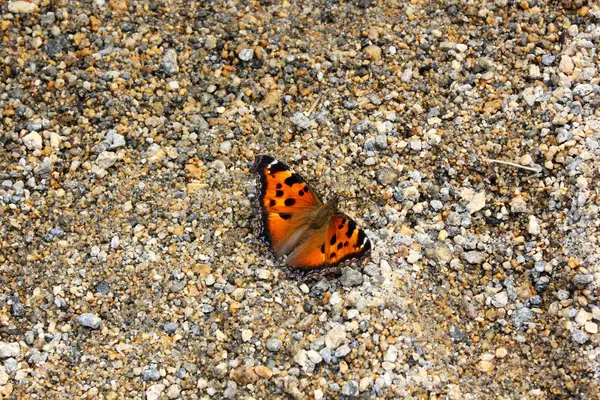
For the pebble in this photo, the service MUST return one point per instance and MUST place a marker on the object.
(106, 159)
(533, 227)
(21, 7)
(33, 141)
(169, 63)
(350, 389)
(274, 344)
(154, 392)
(301, 120)
(151, 374)
(474, 257)
(246, 54)
(335, 337)
(8, 350)
(500, 299)
(351, 277)
(88, 320)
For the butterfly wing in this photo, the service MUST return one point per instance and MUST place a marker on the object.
(285, 201)
(340, 243)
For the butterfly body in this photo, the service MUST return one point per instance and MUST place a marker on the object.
(295, 222)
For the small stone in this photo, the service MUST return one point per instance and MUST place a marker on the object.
(591, 327)
(301, 120)
(173, 86)
(335, 337)
(246, 335)
(8, 350)
(173, 392)
(301, 358)
(461, 47)
(21, 7)
(169, 62)
(518, 205)
(263, 372)
(89, 320)
(474, 257)
(526, 160)
(391, 354)
(263, 274)
(171, 327)
(520, 316)
(477, 203)
(500, 299)
(579, 337)
(246, 54)
(406, 75)
(548, 59)
(583, 90)
(566, 65)
(231, 390)
(314, 356)
(373, 52)
(318, 394)
(274, 344)
(106, 159)
(582, 280)
(350, 389)
(342, 351)
(533, 227)
(151, 373)
(486, 366)
(501, 352)
(351, 277)
(154, 391)
(33, 141)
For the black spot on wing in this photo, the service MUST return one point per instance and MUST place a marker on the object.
(346, 244)
(285, 215)
(340, 245)
(292, 179)
(323, 248)
(272, 203)
(279, 186)
(279, 193)
(289, 202)
(301, 193)
(351, 228)
(333, 239)
(332, 255)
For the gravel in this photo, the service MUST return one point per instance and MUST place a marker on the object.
(464, 139)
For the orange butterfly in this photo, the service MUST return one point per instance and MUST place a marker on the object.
(315, 236)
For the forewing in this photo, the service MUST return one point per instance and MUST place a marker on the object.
(285, 199)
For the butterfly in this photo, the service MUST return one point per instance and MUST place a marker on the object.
(315, 236)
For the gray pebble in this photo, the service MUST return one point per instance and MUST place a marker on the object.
(246, 54)
(579, 336)
(351, 277)
(520, 316)
(274, 344)
(582, 280)
(301, 120)
(169, 62)
(474, 257)
(151, 373)
(350, 389)
(89, 320)
(231, 390)
(171, 327)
